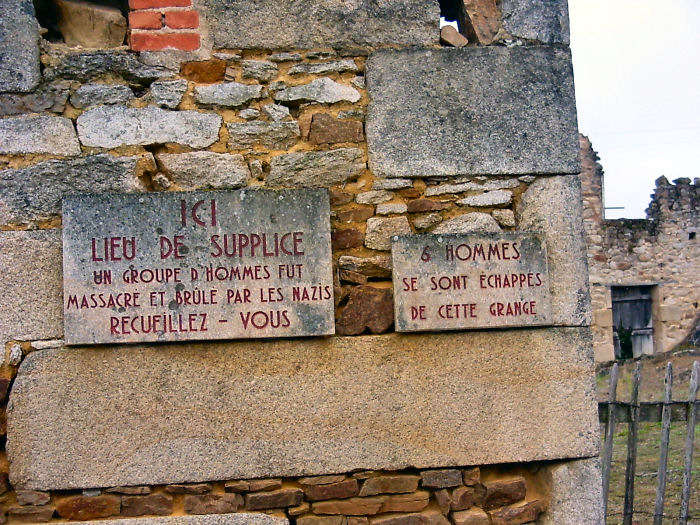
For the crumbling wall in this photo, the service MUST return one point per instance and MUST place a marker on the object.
(661, 250)
(290, 99)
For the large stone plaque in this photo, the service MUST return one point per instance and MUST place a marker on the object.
(200, 265)
(455, 281)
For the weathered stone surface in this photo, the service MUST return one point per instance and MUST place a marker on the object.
(377, 266)
(249, 114)
(349, 507)
(115, 126)
(471, 476)
(340, 490)
(276, 112)
(48, 182)
(315, 168)
(451, 37)
(83, 65)
(356, 114)
(237, 486)
(168, 93)
(547, 22)
(30, 312)
(389, 209)
(391, 484)
(473, 516)
(327, 130)
(205, 170)
(553, 205)
(423, 205)
(324, 68)
(474, 110)
(490, 198)
(575, 494)
(49, 97)
(157, 504)
(205, 71)
(32, 497)
(260, 70)
(374, 197)
(504, 492)
(414, 502)
(552, 417)
(274, 135)
(192, 488)
(19, 54)
(90, 25)
(285, 57)
(469, 223)
(483, 20)
(367, 308)
(275, 499)
(402, 519)
(239, 518)
(517, 514)
(322, 520)
(505, 218)
(462, 498)
(255, 485)
(322, 480)
(466, 185)
(212, 503)
(227, 94)
(257, 25)
(95, 94)
(31, 514)
(423, 222)
(88, 507)
(440, 479)
(391, 184)
(380, 230)
(321, 90)
(346, 238)
(356, 214)
(38, 134)
(130, 491)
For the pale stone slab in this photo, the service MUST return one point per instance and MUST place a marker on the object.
(30, 285)
(38, 134)
(257, 409)
(474, 110)
(35, 192)
(553, 205)
(321, 90)
(576, 494)
(312, 169)
(243, 24)
(205, 170)
(115, 126)
(19, 52)
(236, 518)
(453, 282)
(546, 22)
(198, 265)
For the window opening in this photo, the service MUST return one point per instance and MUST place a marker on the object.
(632, 321)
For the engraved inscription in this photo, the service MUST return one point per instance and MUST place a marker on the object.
(455, 281)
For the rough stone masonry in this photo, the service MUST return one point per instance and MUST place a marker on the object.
(356, 102)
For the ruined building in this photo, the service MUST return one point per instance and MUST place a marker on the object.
(214, 216)
(644, 273)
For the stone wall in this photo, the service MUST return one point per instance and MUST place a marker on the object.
(235, 426)
(662, 251)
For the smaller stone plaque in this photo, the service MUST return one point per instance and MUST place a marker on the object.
(198, 265)
(455, 281)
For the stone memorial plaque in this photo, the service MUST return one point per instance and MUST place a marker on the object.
(456, 281)
(199, 265)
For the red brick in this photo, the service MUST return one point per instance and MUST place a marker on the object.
(150, 4)
(182, 19)
(145, 20)
(157, 41)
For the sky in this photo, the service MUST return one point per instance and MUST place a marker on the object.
(637, 75)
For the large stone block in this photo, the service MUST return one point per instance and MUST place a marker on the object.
(35, 192)
(238, 518)
(256, 24)
(545, 21)
(30, 285)
(476, 110)
(19, 52)
(576, 494)
(553, 205)
(257, 409)
(38, 134)
(115, 126)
